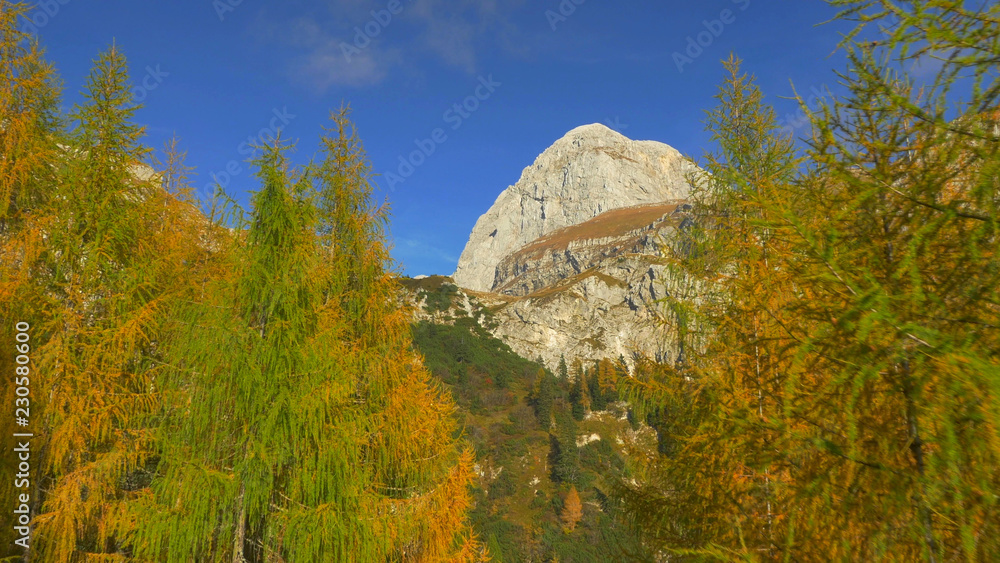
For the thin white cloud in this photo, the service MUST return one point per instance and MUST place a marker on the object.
(337, 52)
(326, 66)
(928, 65)
(420, 249)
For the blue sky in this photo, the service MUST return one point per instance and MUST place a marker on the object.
(219, 72)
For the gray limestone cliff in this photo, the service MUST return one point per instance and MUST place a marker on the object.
(589, 171)
(569, 260)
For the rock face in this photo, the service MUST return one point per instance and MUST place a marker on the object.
(574, 250)
(607, 312)
(591, 291)
(568, 261)
(590, 171)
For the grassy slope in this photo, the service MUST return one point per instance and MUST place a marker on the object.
(613, 223)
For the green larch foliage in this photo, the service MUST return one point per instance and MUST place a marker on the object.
(897, 368)
(300, 425)
(838, 391)
(95, 263)
(206, 393)
(718, 406)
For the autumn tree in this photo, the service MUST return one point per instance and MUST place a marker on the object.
(97, 257)
(718, 407)
(29, 119)
(28, 135)
(572, 510)
(421, 473)
(608, 375)
(843, 409)
(301, 426)
(896, 261)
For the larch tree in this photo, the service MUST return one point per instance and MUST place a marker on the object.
(29, 118)
(94, 264)
(301, 426)
(28, 145)
(719, 406)
(839, 388)
(572, 510)
(607, 378)
(897, 264)
(420, 473)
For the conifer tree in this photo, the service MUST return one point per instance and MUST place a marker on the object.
(29, 121)
(621, 367)
(572, 510)
(28, 134)
(896, 346)
(565, 454)
(302, 427)
(594, 388)
(577, 393)
(420, 471)
(608, 375)
(719, 407)
(844, 408)
(544, 398)
(580, 378)
(95, 265)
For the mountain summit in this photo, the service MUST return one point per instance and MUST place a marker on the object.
(568, 262)
(589, 171)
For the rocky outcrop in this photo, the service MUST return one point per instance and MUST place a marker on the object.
(590, 171)
(608, 311)
(568, 261)
(590, 291)
(574, 250)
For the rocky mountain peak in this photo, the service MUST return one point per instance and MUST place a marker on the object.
(589, 171)
(594, 134)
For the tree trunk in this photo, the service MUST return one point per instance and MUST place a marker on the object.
(241, 529)
(917, 449)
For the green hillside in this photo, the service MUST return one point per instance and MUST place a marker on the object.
(527, 468)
